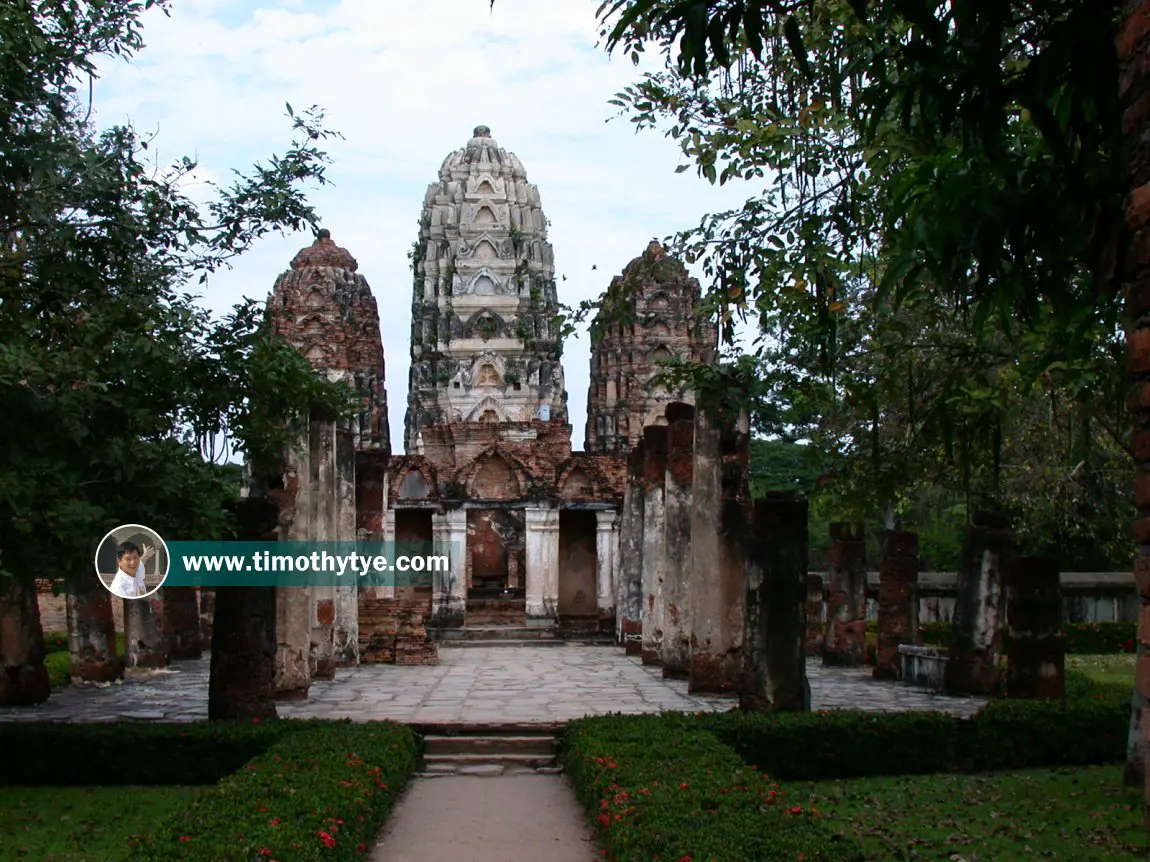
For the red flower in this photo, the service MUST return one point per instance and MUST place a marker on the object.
(326, 839)
(604, 819)
(796, 810)
(185, 838)
(683, 786)
(264, 851)
(360, 847)
(275, 822)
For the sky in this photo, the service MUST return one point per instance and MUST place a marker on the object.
(404, 82)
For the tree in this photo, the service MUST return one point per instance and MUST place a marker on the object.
(980, 144)
(121, 386)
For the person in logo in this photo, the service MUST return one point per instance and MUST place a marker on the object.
(129, 580)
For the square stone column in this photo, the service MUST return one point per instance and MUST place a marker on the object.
(387, 591)
(293, 604)
(606, 538)
(542, 566)
(334, 609)
(449, 593)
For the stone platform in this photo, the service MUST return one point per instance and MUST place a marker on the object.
(528, 685)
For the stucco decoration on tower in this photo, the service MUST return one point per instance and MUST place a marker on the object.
(484, 283)
(648, 314)
(325, 308)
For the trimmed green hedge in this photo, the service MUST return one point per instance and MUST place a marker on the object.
(1017, 734)
(660, 789)
(1081, 638)
(319, 794)
(132, 753)
(1005, 734)
(840, 744)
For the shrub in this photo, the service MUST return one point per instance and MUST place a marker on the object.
(321, 793)
(127, 753)
(840, 744)
(659, 788)
(1081, 638)
(1090, 729)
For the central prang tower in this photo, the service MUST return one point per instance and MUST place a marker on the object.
(485, 346)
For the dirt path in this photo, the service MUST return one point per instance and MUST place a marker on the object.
(511, 818)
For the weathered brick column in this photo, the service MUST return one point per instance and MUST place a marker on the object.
(720, 528)
(676, 580)
(1136, 773)
(182, 623)
(23, 677)
(774, 656)
(816, 607)
(629, 586)
(92, 630)
(145, 639)
(1037, 655)
(207, 614)
(897, 600)
(293, 614)
(846, 607)
(654, 541)
(1133, 46)
(979, 607)
(243, 672)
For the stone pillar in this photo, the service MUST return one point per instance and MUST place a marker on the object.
(145, 639)
(677, 540)
(92, 630)
(387, 590)
(207, 614)
(182, 623)
(242, 681)
(1037, 656)
(978, 608)
(606, 537)
(629, 584)
(816, 608)
(775, 655)
(654, 542)
(293, 604)
(897, 600)
(846, 606)
(1136, 773)
(325, 500)
(542, 541)
(449, 594)
(345, 625)
(23, 677)
(719, 534)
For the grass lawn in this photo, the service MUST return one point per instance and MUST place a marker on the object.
(82, 824)
(1104, 668)
(1073, 814)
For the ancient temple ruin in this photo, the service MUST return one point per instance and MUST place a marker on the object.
(489, 467)
(648, 317)
(334, 482)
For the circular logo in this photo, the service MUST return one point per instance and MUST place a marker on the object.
(132, 561)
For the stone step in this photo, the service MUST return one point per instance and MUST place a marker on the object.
(464, 644)
(484, 764)
(490, 745)
(489, 770)
(509, 633)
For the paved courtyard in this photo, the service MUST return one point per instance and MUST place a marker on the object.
(527, 684)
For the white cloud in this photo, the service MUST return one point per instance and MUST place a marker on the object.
(405, 81)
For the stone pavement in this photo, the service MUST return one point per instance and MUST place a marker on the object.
(526, 684)
(522, 818)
